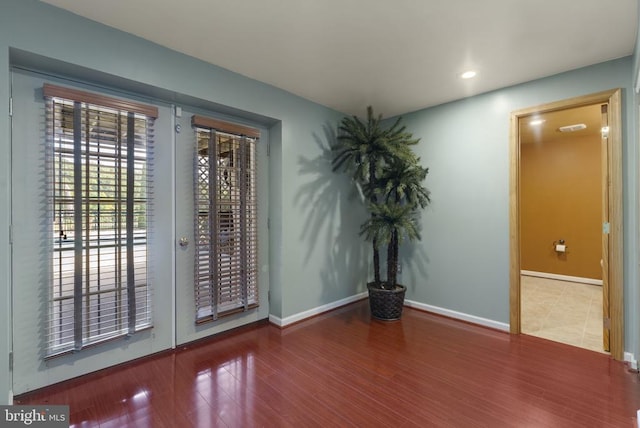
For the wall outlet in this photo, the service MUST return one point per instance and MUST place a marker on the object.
(399, 268)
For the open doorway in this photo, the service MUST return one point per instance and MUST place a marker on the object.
(561, 216)
(537, 259)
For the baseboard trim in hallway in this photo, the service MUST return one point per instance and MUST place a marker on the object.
(591, 281)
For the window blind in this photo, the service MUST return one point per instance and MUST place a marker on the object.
(225, 219)
(99, 166)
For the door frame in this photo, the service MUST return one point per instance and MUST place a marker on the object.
(616, 311)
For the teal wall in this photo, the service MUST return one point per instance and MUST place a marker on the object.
(462, 263)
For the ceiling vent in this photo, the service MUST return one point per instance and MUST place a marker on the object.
(573, 128)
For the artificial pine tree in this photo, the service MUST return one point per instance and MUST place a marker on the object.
(382, 163)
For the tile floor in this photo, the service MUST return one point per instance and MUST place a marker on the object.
(567, 312)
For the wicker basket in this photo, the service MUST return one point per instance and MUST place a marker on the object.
(386, 304)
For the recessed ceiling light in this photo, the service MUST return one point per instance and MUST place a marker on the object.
(468, 74)
(536, 122)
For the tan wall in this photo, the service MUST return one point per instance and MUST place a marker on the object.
(561, 199)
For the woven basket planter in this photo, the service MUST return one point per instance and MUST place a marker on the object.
(386, 304)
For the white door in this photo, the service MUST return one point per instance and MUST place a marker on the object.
(187, 329)
(32, 231)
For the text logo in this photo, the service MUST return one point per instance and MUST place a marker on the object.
(34, 416)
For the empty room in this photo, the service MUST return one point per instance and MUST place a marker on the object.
(300, 213)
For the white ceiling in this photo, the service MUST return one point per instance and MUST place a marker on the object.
(398, 56)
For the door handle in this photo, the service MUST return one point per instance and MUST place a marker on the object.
(183, 242)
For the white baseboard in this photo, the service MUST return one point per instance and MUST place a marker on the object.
(458, 315)
(283, 322)
(591, 281)
(630, 358)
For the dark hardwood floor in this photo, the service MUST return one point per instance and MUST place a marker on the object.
(344, 369)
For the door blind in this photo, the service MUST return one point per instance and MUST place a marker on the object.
(99, 176)
(225, 216)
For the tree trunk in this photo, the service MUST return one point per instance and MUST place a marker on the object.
(392, 261)
(376, 250)
(392, 255)
(376, 262)
(396, 251)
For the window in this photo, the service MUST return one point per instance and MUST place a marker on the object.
(99, 167)
(225, 219)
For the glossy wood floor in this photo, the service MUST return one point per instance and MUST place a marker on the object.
(344, 369)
